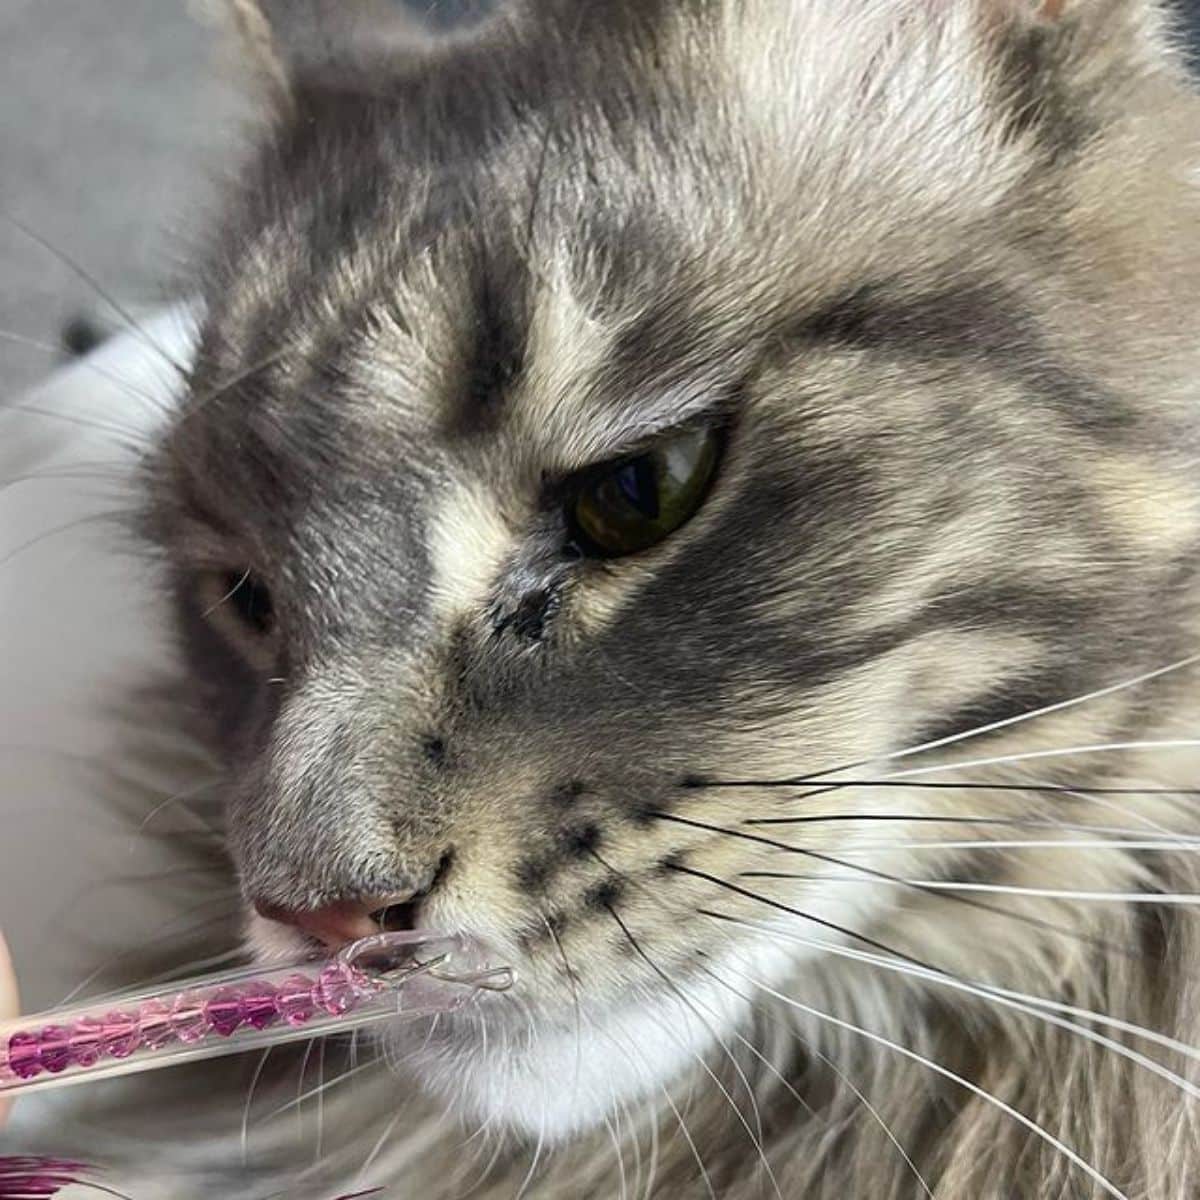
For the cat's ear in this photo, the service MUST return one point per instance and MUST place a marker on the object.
(1072, 61)
(288, 40)
(1101, 31)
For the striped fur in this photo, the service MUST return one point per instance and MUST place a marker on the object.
(932, 266)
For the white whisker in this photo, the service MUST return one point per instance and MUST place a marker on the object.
(336, 1081)
(857, 1092)
(1182, 846)
(1020, 1002)
(652, 1156)
(1000, 889)
(1056, 752)
(755, 1133)
(258, 1070)
(377, 1148)
(1046, 710)
(539, 1145)
(320, 1096)
(687, 1137)
(612, 1126)
(1044, 1134)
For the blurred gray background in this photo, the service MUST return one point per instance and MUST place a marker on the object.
(115, 118)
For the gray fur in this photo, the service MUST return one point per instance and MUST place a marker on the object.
(930, 268)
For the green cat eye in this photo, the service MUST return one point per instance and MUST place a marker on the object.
(632, 504)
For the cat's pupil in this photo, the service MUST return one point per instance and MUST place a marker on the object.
(638, 483)
(631, 504)
(251, 600)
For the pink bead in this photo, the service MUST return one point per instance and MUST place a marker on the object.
(296, 999)
(260, 1002)
(154, 1019)
(225, 1012)
(337, 988)
(121, 1035)
(54, 1048)
(189, 1017)
(23, 1055)
(85, 1041)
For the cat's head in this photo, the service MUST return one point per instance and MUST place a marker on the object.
(621, 405)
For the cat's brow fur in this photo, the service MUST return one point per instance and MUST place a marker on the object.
(932, 267)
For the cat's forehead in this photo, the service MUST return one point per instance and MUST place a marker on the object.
(463, 327)
(537, 259)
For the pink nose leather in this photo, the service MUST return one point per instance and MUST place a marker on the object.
(335, 925)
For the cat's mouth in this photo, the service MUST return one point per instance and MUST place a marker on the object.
(446, 956)
(438, 956)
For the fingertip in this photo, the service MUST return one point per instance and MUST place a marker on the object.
(10, 1004)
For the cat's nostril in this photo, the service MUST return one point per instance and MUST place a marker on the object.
(396, 918)
(346, 921)
(334, 925)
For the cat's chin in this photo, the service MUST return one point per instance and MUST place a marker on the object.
(550, 1077)
(546, 1069)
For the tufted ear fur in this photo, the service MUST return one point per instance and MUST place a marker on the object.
(286, 40)
(1072, 65)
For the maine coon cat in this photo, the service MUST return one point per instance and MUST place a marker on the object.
(701, 497)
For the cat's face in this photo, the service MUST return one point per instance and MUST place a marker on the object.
(589, 420)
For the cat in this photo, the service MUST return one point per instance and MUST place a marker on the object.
(700, 497)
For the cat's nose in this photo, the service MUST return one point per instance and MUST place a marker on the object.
(336, 925)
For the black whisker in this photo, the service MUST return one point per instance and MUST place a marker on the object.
(940, 1069)
(974, 785)
(573, 980)
(753, 1049)
(799, 912)
(929, 819)
(913, 885)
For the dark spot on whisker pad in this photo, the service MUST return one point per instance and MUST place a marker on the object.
(543, 928)
(81, 334)
(434, 749)
(605, 894)
(568, 793)
(670, 863)
(645, 813)
(533, 874)
(582, 841)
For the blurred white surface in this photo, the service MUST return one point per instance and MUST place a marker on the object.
(81, 627)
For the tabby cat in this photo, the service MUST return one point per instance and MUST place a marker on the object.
(701, 497)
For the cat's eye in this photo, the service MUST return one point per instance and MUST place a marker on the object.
(636, 502)
(248, 598)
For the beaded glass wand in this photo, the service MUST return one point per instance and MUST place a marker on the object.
(391, 976)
